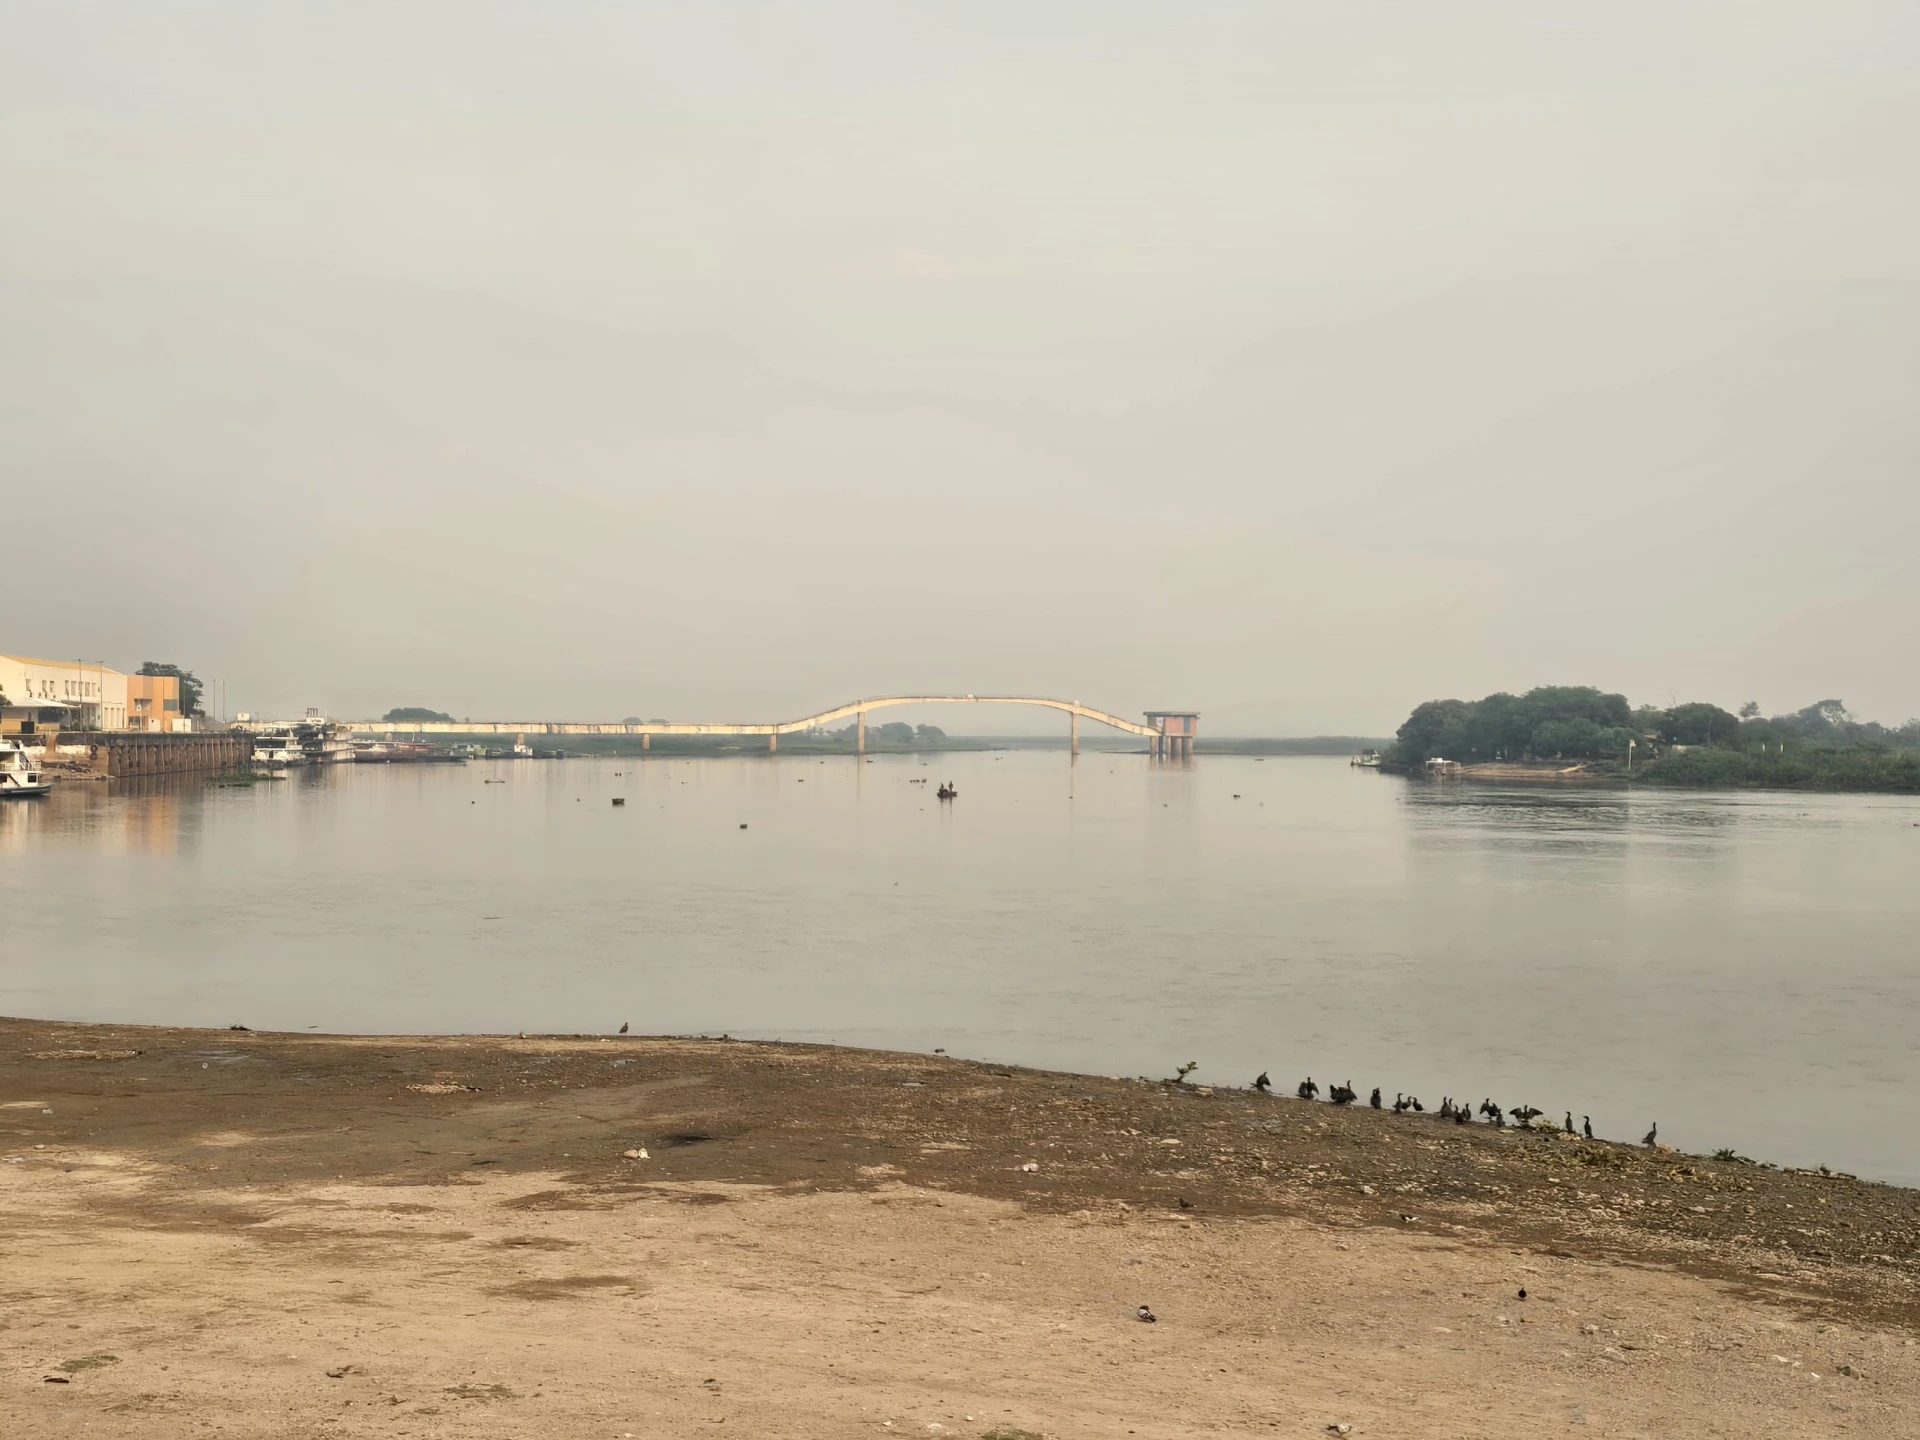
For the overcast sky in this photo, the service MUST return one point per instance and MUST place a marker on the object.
(1292, 362)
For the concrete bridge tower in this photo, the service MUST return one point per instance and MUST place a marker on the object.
(1173, 733)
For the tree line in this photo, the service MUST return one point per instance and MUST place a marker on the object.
(1580, 722)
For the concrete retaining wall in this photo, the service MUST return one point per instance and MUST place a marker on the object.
(126, 754)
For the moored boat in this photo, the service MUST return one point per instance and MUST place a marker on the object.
(314, 740)
(19, 777)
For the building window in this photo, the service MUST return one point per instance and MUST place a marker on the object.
(170, 704)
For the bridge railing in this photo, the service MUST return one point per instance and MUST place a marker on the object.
(780, 727)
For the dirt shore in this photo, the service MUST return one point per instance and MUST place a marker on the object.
(306, 1236)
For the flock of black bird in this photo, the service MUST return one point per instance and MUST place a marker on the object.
(1460, 1112)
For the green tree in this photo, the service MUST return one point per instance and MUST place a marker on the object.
(929, 735)
(1436, 727)
(416, 712)
(896, 732)
(190, 687)
(1564, 738)
(1699, 723)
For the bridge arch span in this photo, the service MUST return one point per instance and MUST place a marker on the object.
(1166, 731)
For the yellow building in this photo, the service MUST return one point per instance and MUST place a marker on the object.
(37, 694)
(153, 703)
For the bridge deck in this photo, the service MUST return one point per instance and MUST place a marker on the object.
(780, 727)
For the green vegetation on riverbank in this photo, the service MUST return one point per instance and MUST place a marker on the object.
(1696, 744)
(1809, 769)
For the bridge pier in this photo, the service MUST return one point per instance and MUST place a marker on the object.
(1175, 731)
(646, 742)
(1073, 733)
(773, 744)
(860, 733)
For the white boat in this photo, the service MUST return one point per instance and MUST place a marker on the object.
(314, 740)
(18, 777)
(1368, 758)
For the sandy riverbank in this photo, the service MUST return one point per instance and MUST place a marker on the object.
(209, 1225)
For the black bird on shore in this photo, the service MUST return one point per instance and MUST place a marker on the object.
(1308, 1090)
(1263, 1084)
(1488, 1108)
(1343, 1094)
(1567, 1129)
(1461, 1116)
(623, 1027)
(1652, 1135)
(1446, 1107)
(1586, 1126)
(1399, 1103)
(1375, 1102)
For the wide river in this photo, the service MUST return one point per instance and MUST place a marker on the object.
(1743, 968)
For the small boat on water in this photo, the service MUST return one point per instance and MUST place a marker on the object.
(19, 779)
(1370, 759)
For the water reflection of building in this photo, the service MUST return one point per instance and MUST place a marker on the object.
(148, 816)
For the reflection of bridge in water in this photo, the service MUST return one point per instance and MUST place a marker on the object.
(1169, 733)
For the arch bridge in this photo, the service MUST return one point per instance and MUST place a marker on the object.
(1169, 733)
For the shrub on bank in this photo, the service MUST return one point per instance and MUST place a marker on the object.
(1857, 769)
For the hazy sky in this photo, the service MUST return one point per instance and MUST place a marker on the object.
(1294, 362)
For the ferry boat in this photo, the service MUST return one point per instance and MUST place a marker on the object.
(314, 740)
(1368, 758)
(18, 778)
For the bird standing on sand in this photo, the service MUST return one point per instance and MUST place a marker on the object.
(1567, 1129)
(1307, 1089)
(1263, 1083)
(1375, 1102)
(1141, 1312)
(1652, 1135)
(623, 1027)
(1586, 1126)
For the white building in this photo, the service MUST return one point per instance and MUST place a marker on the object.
(62, 694)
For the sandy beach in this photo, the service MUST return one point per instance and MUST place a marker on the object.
(227, 1231)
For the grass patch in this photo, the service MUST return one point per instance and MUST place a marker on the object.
(87, 1362)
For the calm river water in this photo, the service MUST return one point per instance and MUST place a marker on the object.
(1744, 968)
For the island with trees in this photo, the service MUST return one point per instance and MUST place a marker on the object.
(1579, 732)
